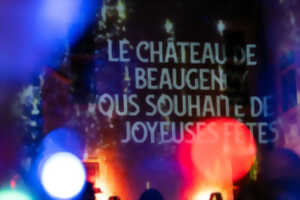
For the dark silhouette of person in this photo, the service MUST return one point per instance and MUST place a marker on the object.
(216, 196)
(151, 194)
(114, 198)
(88, 192)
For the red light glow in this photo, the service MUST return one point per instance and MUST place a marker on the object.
(13, 184)
(222, 151)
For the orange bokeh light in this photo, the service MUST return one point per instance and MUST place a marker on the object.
(205, 194)
(108, 180)
(105, 190)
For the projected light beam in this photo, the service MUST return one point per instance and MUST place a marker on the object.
(37, 33)
(61, 13)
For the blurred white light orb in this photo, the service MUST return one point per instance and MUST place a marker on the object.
(63, 175)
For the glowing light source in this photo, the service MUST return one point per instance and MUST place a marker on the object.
(63, 175)
(61, 12)
(205, 195)
(13, 195)
(121, 9)
(106, 193)
(221, 27)
(169, 26)
(13, 184)
(37, 31)
(62, 140)
(224, 142)
(222, 151)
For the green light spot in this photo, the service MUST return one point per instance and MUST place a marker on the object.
(13, 195)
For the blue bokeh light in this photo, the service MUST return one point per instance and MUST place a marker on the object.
(61, 13)
(32, 32)
(57, 141)
(62, 139)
